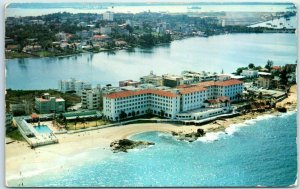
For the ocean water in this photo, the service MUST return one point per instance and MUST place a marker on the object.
(214, 54)
(259, 152)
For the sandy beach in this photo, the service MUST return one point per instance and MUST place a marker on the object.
(22, 161)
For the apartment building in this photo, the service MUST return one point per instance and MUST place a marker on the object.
(73, 85)
(108, 16)
(91, 99)
(47, 104)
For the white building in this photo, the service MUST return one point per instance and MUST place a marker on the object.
(250, 73)
(73, 85)
(168, 103)
(152, 79)
(133, 103)
(109, 16)
(91, 98)
(231, 88)
(199, 76)
(192, 97)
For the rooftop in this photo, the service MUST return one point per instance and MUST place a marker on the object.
(186, 89)
(220, 83)
(144, 91)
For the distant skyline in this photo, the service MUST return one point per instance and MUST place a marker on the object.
(144, 1)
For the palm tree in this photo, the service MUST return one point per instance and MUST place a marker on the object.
(133, 113)
(122, 115)
(162, 113)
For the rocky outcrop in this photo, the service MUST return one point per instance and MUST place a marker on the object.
(190, 137)
(282, 109)
(125, 144)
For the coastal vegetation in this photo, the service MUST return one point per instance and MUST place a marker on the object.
(28, 97)
(14, 134)
(81, 123)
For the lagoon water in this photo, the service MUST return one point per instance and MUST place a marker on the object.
(260, 152)
(213, 54)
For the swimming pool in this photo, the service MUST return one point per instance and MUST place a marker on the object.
(42, 129)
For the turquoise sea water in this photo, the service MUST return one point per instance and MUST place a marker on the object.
(258, 152)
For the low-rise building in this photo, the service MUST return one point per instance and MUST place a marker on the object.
(264, 82)
(172, 80)
(250, 73)
(128, 83)
(105, 30)
(152, 79)
(199, 76)
(47, 104)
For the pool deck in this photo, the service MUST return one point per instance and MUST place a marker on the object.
(32, 136)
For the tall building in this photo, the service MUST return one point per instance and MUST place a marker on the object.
(109, 16)
(91, 99)
(73, 85)
(47, 104)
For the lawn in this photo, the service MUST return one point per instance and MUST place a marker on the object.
(87, 124)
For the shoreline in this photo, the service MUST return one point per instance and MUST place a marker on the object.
(22, 161)
(154, 46)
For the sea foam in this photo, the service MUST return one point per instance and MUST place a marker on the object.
(233, 128)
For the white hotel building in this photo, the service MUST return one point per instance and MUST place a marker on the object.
(73, 85)
(171, 103)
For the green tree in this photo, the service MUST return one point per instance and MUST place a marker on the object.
(162, 113)
(269, 65)
(122, 115)
(251, 66)
(240, 70)
(133, 113)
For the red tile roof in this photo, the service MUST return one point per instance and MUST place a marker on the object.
(186, 89)
(145, 91)
(220, 83)
(276, 68)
